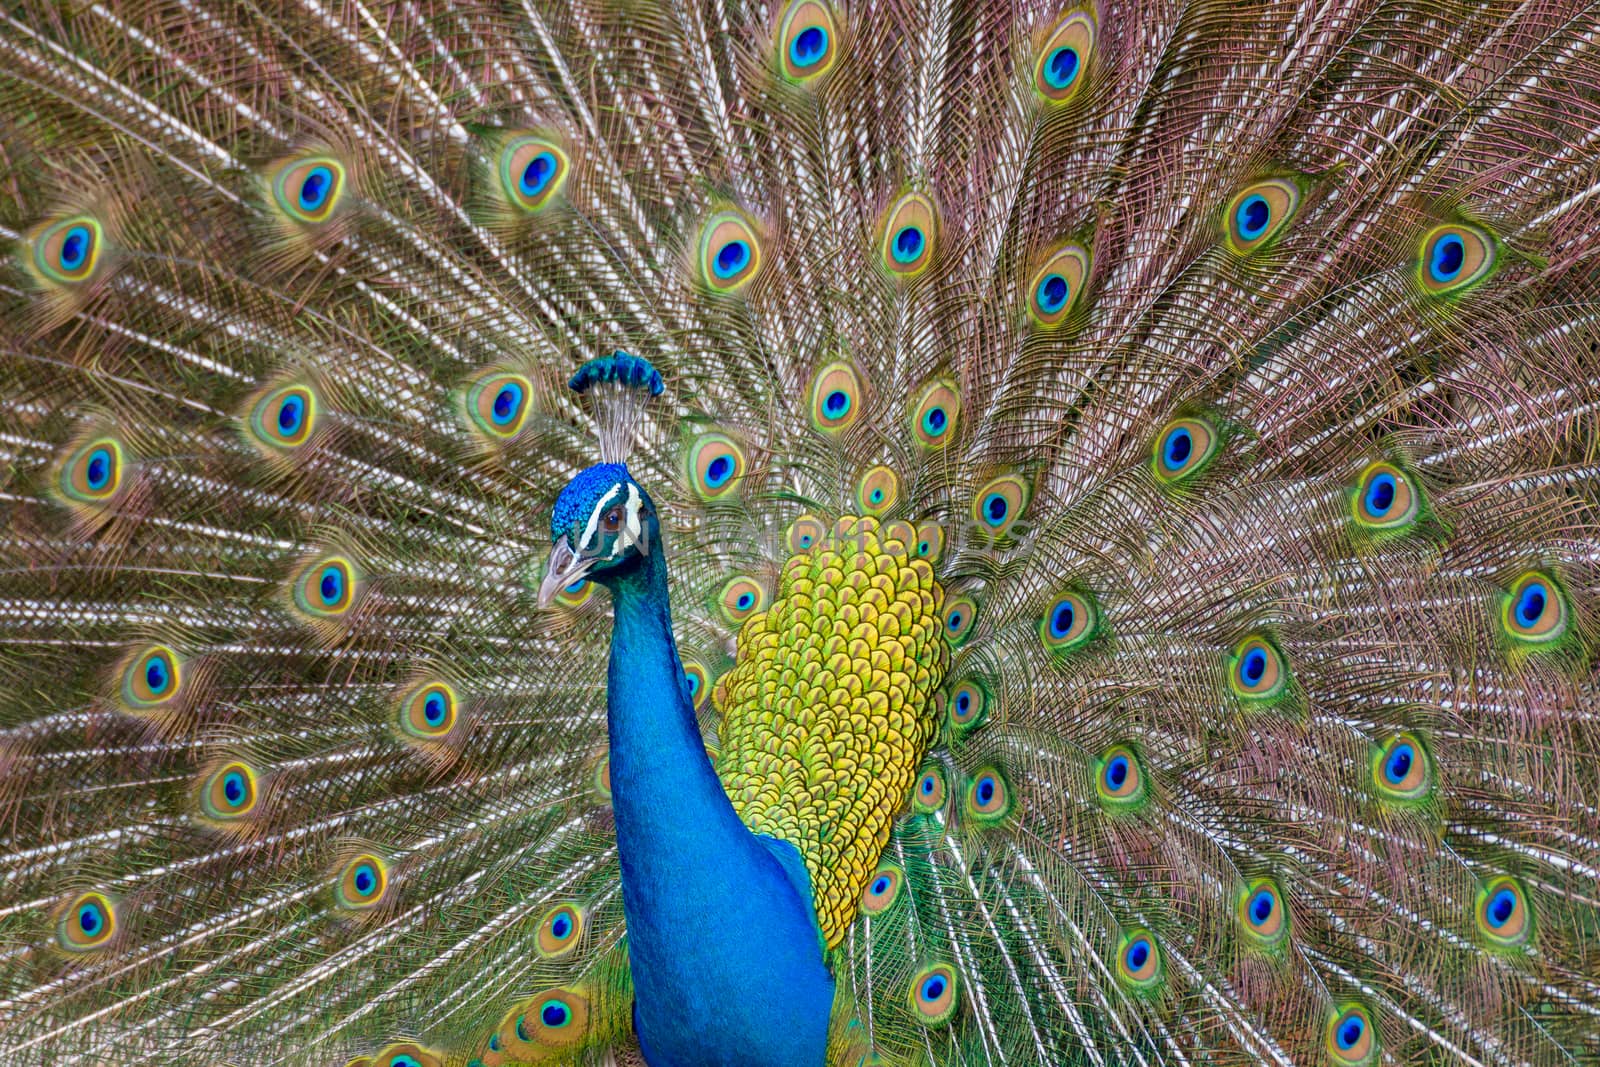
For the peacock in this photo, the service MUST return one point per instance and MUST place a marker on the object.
(799, 532)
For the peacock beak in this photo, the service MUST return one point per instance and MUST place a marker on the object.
(566, 567)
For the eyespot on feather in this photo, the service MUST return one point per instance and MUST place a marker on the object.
(1256, 670)
(229, 792)
(92, 473)
(1502, 913)
(960, 613)
(1058, 71)
(1262, 916)
(308, 189)
(699, 682)
(741, 597)
(910, 232)
(1070, 621)
(883, 889)
(805, 533)
(1119, 779)
(600, 779)
(533, 170)
(934, 415)
(363, 883)
(1139, 965)
(929, 544)
(836, 399)
(808, 41)
(284, 418)
(1454, 258)
(326, 588)
(1350, 1038)
(576, 595)
(933, 995)
(89, 922)
(928, 794)
(878, 491)
(67, 251)
(152, 679)
(1183, 448)
(559, 931)
(1259, 212)
(406, 1054)
(716, 466)
(730, 253)
(1401, 769)
(968, 705)
(428, 711)
(497, 404)
(989, 798)
(1055, 288)
(1385, 499)
(557, 1018)
(1000, 503)
(1534, 611)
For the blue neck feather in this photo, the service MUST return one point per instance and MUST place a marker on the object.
(723, 941)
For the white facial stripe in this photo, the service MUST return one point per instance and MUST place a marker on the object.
(594, 517)
(631, 529)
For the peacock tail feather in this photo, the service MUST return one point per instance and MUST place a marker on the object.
(1181, 418)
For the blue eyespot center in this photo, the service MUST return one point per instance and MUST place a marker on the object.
(315, 187)
(1501, 908)
(494, 1042)
(1252, 216)
(1117, 772)
(928, 785)
(366, 879)
(1531, 604)
(808, 46)
(985, 791)
(964, 702)
(995, 508)
(731, 259)
(433, 709)
(404, 1060)
(156, 676)
(233, 787)
(908, 244)
(1380, 495)
(1053, 293)
(537, 174)
(1138, 954)
(1061, 620)
(506, 403)
(89, 920)
(805, 540)
(99, 473)
(331, 585)
(719, 471)
(955, 620)
(561, 926)
(746, 601)
(1350, 1032)
(1061, 68)
(694, 683)
(933, 987)
(1261, 906)
(934, 421)
(1399, 764)
(836, 404)
(1449, 253)
(1179, 446)
(290, 412)
(876, 496)
(1253, 667)
(75, 248)
(881, 886)
(554, 1014)
(576, 587)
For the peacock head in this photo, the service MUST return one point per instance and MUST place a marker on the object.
(603, 526)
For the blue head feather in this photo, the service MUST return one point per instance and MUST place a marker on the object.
(580, 497)
(629, 371)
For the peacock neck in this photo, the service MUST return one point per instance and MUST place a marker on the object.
(668, 800)
(722, 937)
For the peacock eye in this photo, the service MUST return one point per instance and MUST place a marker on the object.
(611, 522)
